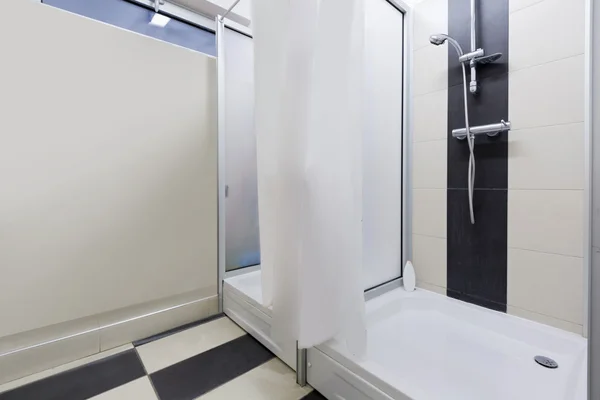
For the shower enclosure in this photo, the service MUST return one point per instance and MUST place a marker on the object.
(415, 338)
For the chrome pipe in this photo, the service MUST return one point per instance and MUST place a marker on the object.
(473, 85)
(490, 130)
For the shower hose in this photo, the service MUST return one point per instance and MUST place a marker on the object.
(471, 141)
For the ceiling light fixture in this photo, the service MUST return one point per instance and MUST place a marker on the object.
(159, 20)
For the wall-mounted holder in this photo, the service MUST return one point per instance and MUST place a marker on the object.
(490, 130)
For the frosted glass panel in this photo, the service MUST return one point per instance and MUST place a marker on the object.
(137, 19)
(382, 143)
(241, 204)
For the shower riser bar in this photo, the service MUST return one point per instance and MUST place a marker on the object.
(490, 130)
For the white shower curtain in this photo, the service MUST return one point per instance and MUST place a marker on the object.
(308, 110)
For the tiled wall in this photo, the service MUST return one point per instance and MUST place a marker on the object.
(543, 264)
(545, 163)
(430, 121)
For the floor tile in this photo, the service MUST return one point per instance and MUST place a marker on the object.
(180, 346)
(173, 331)
(62, 368)
(140, 389)
(271, 380)
(83, 382)
(314, 395)
(204, 372)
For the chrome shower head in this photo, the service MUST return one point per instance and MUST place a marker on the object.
(437, 39)
(440, 38)
(488, 59)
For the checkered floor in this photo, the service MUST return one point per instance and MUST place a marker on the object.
(212, 360)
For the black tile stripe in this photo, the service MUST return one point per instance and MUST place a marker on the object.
(314, 395)
(204, 372)
(178, 329)
(477, 254)
(83, 382)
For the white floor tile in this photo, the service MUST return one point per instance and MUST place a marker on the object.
(180, 346)
(140, 389)
(272, 380)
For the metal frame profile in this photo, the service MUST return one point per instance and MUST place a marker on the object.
(406, 205)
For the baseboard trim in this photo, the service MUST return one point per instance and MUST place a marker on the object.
(115, 331)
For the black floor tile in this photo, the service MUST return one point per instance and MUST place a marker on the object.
(200, 374)
(83, 382)
(314, 395)
(178, 329)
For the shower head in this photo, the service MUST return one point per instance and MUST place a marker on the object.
(488, 59)
(440, 38)
(437, 39)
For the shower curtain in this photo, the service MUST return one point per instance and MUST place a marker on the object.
(308, 118)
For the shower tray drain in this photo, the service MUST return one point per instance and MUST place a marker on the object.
(546, 362)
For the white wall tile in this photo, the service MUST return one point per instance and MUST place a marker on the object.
(430, 16)
(430, 69)
(429, 165)
(429, 212)
(547, 284)
(546, 158)
(429, 259)
(548, 94)
(430, 116)
(545, 319)
(549, 221)
(514, 5)
(547, 31)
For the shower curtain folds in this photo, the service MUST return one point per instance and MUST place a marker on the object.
(309, 116)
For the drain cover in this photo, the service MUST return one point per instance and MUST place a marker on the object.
(546, 362)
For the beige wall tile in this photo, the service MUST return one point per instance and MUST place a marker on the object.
(546, 158)
(431, 288)
(545, 319)
(429, 165)
(547, 284)
(515, 5)
(531, 28)
(430, 16)
(430, 69)
(430, 116)
(547, 94)
(429, 212)
(429, 259)
(549, 221)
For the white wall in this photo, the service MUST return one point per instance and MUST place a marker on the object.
(108, 169)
